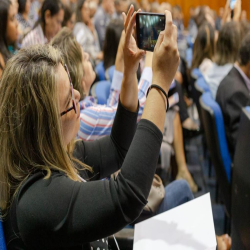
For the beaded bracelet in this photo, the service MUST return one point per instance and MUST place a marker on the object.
(162, 90)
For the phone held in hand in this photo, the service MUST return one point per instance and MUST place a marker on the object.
(148, 28)
(232, 4)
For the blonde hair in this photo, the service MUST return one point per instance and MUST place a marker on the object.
(30, 126)
(72, 55)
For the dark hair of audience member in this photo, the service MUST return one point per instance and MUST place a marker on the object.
(4, 10)
(54, 6)
(111, 43)
(21, 6)
(79, 5)
(68, 13)
(72, 55)
(244, 52)
(204, 45)
(228, 44)
(245, 28)
(200, 18)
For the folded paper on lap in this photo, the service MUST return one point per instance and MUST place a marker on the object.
(187, 227)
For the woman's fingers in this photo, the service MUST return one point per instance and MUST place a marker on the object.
(130, 28)
(168, 26)
(128, 17)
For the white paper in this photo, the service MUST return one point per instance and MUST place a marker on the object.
(187, 227)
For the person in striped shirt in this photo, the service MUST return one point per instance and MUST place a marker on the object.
(48, 25)
(97, 120)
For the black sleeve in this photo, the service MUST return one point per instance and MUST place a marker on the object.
(59, 212)
(107, 154)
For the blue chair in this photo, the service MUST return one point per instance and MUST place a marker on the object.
(217, 145)
(196, 73)
(201, 85)
(102, 91)
(111, 72)
(2, 241)
(241, 185)
(100, 71)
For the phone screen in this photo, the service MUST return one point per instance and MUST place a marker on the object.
(232, 4)
(148, 28)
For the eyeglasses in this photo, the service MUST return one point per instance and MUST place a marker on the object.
(72, 93)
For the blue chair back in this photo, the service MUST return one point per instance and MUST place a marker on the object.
(217, 145)
(111, 72)
(102, 91)
(201, 85)
(241, 185)
(100, 71)
(2, 241)
(196, 73)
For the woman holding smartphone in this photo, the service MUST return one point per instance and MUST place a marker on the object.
(48, 197)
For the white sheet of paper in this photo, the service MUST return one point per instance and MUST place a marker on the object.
(187, 227)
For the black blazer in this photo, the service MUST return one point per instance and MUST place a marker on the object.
(232, 96)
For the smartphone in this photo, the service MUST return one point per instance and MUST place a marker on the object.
(232, 4)
(148, 28)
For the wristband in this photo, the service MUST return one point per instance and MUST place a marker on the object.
(162, 90)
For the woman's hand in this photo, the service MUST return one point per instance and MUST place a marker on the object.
(237, 11)
(132, 54)
(166, 55)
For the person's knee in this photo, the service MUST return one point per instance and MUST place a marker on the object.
(184, 190)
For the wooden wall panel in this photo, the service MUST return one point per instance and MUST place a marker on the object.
(213, 4)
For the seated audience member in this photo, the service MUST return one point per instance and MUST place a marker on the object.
(233, 93)
(93, 6)
(111, 43)
(97, 120)
(165, 6)
(22, 18)
(85, 31)
(245, 28)
(102, 18)
(48, 25)
(145, 5)
(49, 197)
(204, 15)
(121, 6)
(8, 31)
(69, 18)
(34, 11)
(226, 54)
(219, 19)
(204, 48)
(155, 7)
(243, 15)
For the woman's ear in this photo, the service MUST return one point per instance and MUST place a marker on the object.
(47, 16)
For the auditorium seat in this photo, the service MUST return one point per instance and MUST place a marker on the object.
(102, 91)
(2, 241)
(241, 186)
(217, 145)
(100, 71)
(111, 72)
